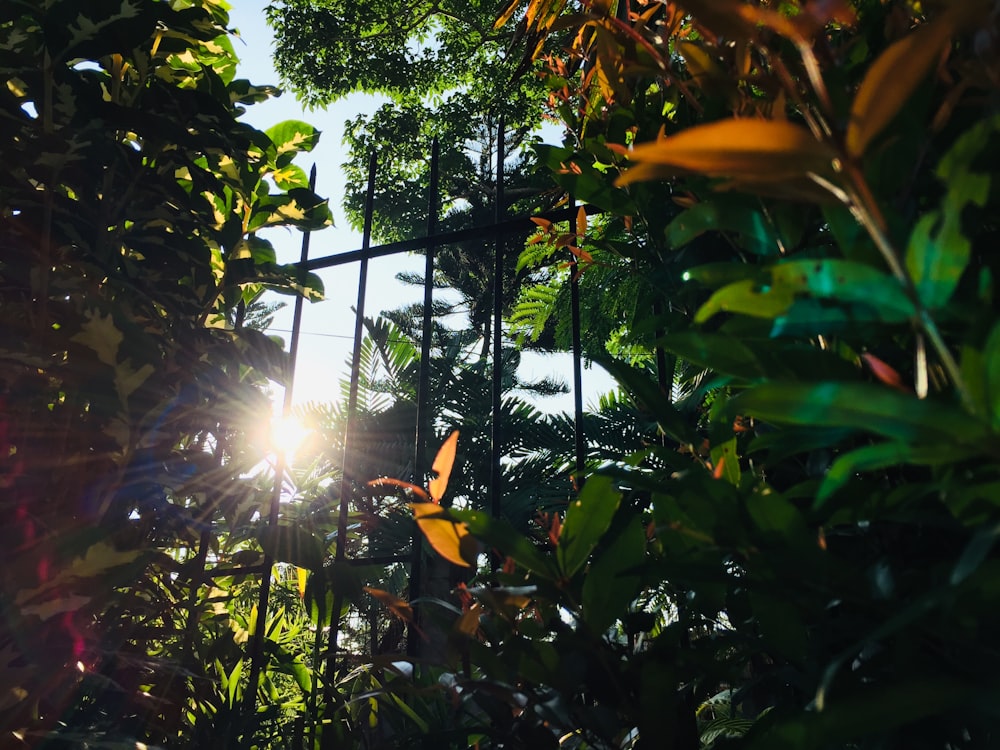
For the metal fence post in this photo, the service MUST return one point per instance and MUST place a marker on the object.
(497, 434)
(347, 476)
(424, 429)
(257, 645)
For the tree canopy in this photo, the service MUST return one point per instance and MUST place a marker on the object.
(448, 75)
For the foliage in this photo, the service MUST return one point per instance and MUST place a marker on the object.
(800, 198)
(132, 196)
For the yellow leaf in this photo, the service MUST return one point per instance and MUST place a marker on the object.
(450, 539)
(301, 576)
(443, 463)
(892, 78)
(749, 150)
(699, 63)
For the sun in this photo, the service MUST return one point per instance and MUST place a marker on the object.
(286, 435)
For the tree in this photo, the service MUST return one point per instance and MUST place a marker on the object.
(131, 199)
(449, 76)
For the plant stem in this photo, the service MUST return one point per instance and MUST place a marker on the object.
(865, 214)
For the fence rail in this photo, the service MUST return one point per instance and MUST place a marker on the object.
(498, 232)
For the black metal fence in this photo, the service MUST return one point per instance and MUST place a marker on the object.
(497, 232)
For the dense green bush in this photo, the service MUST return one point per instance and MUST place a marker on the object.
(798, 235)
(130, 201)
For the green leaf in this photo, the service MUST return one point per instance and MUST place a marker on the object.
(587, 518)
(938, 252)
(749, 298)
(861, 406)
(845, 281)
(884, 455)
(232, 682)
(498, 533)
(290, 176)
(725, 213)
(612, 583)
(727, 454)
(291, 137)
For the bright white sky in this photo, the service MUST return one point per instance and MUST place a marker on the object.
(328, 326)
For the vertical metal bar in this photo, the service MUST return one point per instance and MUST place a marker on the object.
(423, 431)
(578, 434)
(661, 357)
(497, 433)
(347, 474)
(257, 645)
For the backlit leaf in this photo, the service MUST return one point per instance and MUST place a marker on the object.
(448, 537)
(750, 150)
(726, 461)
(301, 577)
(443, 463)
(749, 298)
(292, 136)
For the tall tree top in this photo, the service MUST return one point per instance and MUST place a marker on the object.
(326, 49)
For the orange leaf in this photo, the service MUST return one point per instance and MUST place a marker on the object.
(884, 372)
(399, 607)
(581, 222)
(719, 467)
(892, 78)
(443, 463)
(450, 539)
(721, 16)
(543, 223)
(468, 623)
(419, 491)
(750, 150)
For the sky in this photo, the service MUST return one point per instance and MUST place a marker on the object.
(328, 326)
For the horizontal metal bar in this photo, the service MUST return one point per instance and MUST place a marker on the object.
(510, 226)
(382, 560)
